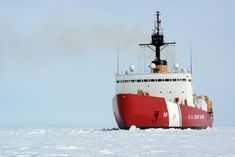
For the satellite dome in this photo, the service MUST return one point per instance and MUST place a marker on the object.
(152, 66)
(132, 68)
(176, 66)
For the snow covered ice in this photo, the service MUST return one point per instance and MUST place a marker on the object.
(117, 143)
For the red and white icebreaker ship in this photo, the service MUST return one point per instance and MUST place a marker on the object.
(159, 98)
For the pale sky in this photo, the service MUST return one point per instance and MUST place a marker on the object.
(58, 57)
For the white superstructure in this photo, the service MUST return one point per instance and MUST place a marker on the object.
(167, 85)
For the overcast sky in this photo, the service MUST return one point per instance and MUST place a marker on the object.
(58, 57)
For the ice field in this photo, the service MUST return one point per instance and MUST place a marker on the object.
(117, 143)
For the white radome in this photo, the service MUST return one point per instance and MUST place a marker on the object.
(176, 66)
(132, 68)
(152, 66)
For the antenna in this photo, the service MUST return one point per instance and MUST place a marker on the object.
(144, 60)
(157, 41)
(191, 58)
(158, 22)
(117, 58)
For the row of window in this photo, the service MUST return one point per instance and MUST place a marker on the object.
(154, 80)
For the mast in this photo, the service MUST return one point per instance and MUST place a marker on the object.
(157, 36)
(191, 58)
(157, 40)
(117, 59)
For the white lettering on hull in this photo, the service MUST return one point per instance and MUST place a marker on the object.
(196, 116)
(165, 114)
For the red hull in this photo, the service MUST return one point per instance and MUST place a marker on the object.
(152, 112)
